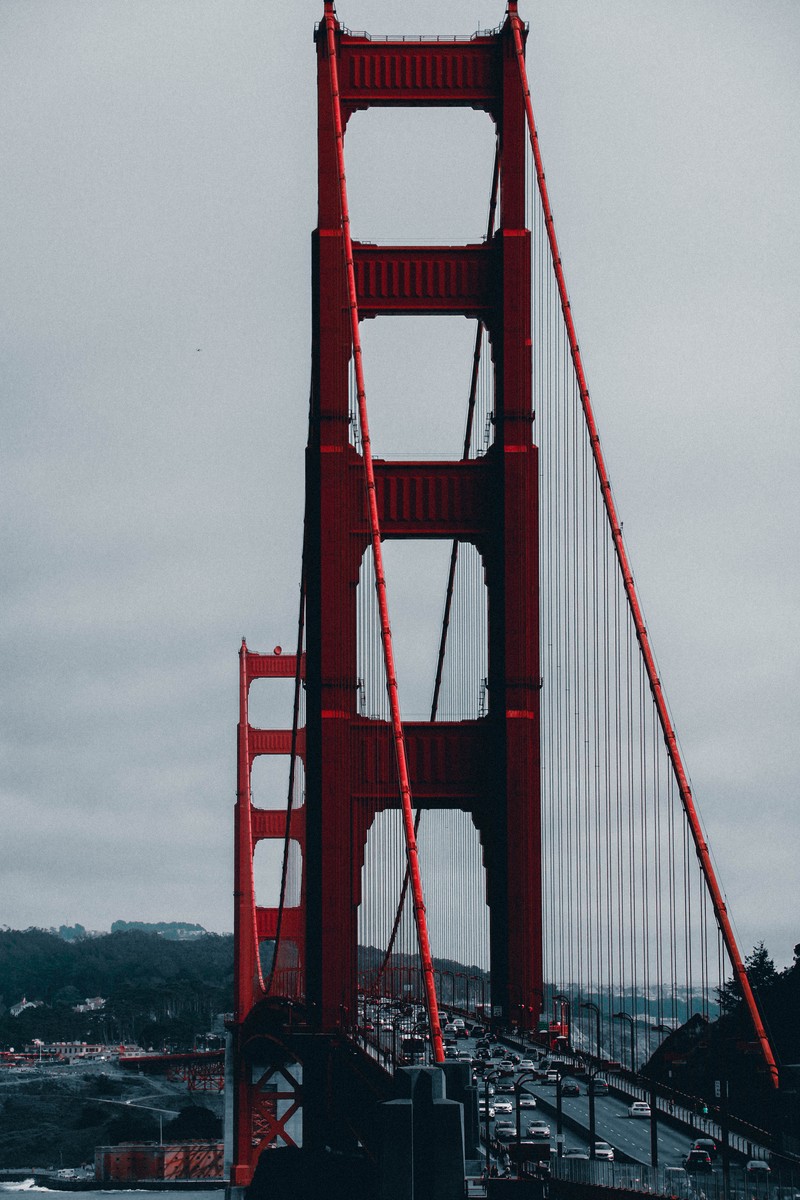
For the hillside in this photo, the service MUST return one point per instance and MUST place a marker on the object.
(155, 990)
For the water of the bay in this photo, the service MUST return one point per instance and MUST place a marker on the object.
(28, 1186)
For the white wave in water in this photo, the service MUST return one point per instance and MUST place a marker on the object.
(26, 1185)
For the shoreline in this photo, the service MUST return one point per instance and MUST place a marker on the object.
(87, 1183)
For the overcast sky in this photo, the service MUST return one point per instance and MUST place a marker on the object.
(157, 197)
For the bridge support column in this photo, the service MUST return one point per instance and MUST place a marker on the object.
(422, 1140)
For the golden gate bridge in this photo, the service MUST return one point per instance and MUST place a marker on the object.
(529, 849)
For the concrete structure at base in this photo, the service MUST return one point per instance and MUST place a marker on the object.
(424, 1142)
(142, 1162)
(428, 1134)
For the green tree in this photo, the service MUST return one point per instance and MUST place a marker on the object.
(760, 972)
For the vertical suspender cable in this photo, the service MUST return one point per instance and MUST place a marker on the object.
(448, 603)
(701, 847)
(380, 581)
(476, 359)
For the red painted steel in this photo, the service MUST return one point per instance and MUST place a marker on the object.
(715, 892)
(396, 72)
(492, 503)
(489, 767)
(426, 958)
(441, 500)
(255, 924)
(423, 280)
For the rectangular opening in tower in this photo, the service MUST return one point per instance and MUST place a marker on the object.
(267, 869)
(269, 782)
(418, 372)
(270, 702)
(451, 862)
(417, 577)
(419, 175)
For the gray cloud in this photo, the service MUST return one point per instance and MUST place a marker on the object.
(156, 208)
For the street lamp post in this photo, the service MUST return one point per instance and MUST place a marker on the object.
(593, 1072)
(162, 1112)
(463, 975)
(592, 1007)
(592, 1118)
(623, 1016)
(523, 1078)
(564, 1002)
(559, 1117)
(487, 1079)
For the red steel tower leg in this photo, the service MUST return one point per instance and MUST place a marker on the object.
(495, 499)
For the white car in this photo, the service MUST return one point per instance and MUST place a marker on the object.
(538, 1129)
(604, 1150)
(503, 1106)
(526, 1100)
(526, 1064)
(639, 1108)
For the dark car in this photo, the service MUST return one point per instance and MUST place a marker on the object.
(570, 1088)
(707, 1144)
(600, 1086)
(698, 1160)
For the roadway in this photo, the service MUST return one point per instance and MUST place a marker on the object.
(614, 1125)
(629, 1136)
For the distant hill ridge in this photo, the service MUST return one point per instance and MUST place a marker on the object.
(174, 931)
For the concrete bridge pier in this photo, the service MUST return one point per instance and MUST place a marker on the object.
(421, 1139)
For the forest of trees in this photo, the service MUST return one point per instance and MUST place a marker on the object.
(156, 990)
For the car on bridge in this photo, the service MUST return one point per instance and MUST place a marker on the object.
(604, 1150)
(538, 1129)
(570, 1088)
(526, 1100)
(697, 1160)
(502, 1105)
(639, 1108)
(503, 1137)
